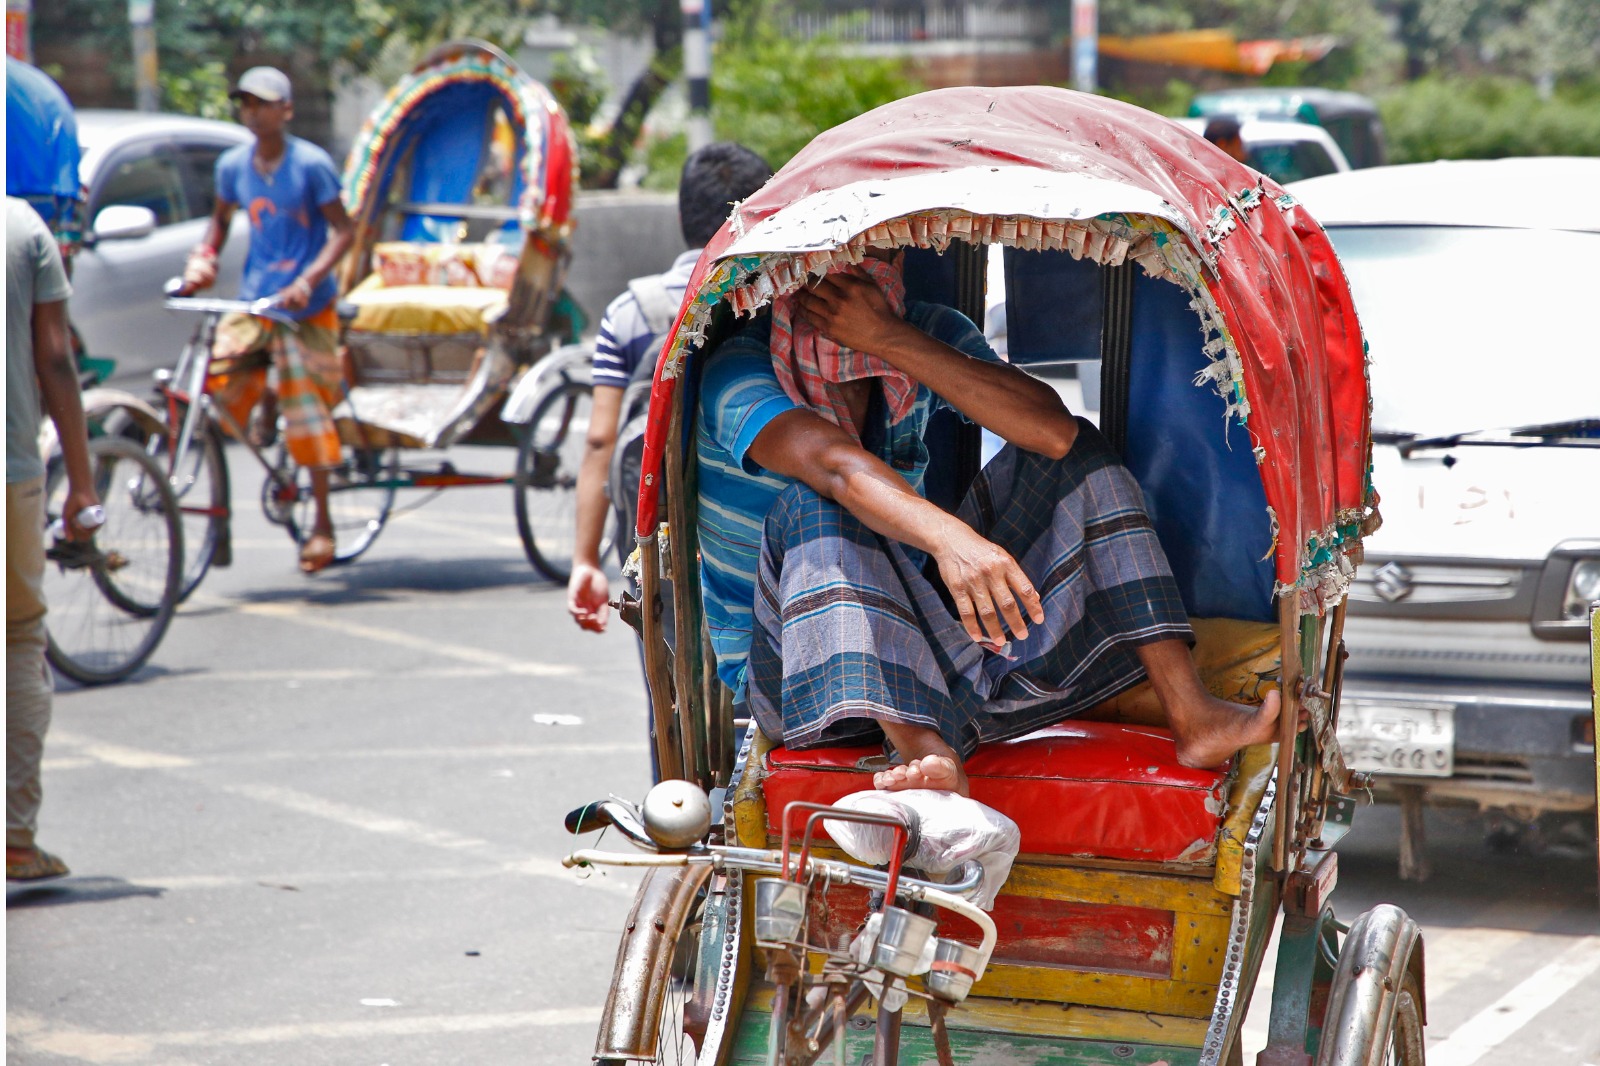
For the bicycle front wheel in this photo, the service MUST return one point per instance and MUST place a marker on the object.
(111, 598)
(546, 483)
(200, 484)
(360, 496)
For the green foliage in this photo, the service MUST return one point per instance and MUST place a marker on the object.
(1489, 118)
(200, 89)
(579, 85)
(774, 93)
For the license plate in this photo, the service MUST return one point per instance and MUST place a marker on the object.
(1414, 740)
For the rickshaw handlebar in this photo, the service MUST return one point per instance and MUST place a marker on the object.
(969, 876)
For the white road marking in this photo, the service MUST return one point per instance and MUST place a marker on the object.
(499, 540)
(318, 617)
(1503, 1018)
(298, 880)
(89, 760)
(116, 754)
(355, 817)
(38, 1034)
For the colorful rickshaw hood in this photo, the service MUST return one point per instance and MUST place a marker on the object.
(546, 149)
(1040, 167)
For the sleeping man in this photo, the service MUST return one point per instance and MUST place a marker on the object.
(845, 608)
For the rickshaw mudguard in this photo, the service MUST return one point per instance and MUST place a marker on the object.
(572, 362)
(1382, 949)
(629, 1027)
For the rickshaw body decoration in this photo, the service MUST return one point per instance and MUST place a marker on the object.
(1110, 183)
(42, 150)
(460, 185)
(451, 89)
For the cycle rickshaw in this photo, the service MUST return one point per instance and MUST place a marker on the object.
(1135, 919)
(460, 185)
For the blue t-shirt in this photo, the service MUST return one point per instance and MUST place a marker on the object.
(739, 396)
(287, 228)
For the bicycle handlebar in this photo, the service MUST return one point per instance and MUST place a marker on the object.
(266, 307)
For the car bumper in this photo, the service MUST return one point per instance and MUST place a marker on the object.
(1519, 746)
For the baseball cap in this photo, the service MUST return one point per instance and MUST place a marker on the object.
(264, 83)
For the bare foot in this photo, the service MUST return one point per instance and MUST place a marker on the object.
(939, 772)
(318, 553)
(1210, 731)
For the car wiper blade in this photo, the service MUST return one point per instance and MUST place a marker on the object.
(1575, 427)
(1577, 432)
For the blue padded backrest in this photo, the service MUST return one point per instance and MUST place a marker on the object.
(1066, 302)
(1197, 470)
(1198, 474)
(932, 277)
(449, 134)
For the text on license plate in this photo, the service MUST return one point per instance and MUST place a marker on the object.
(1418, 740)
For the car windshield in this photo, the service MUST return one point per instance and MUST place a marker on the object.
(1475, 328)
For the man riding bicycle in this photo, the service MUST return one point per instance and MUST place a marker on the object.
(298, 232)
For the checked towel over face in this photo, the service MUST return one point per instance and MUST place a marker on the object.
(849, 631)
(810, 367)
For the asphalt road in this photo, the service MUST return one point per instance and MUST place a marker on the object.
(323, 826)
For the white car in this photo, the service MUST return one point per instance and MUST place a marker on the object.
(1284, 151)
(1468, 677)
(149, 178)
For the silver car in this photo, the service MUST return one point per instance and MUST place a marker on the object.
(1468, 678)
(149, 178)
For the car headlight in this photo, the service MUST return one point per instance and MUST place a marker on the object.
(1583, 589)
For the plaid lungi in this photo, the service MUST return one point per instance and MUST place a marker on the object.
(310, 378)
(848, 629)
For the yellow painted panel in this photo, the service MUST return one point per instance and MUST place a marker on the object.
(1067, 1021)
(1189, 999)
(1249, 785)
(1198, 944)
(1123, 888)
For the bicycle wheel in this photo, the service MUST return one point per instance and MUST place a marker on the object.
(676, 984)
(111, 598)
(1375, 1004)
(360, 496)
(546, 483)
(202, 490)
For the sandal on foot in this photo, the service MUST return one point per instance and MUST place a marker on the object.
(40, 865)
(317, 554)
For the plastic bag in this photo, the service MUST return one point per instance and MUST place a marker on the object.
(954, 829)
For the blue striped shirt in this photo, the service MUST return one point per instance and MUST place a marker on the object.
(739, 396)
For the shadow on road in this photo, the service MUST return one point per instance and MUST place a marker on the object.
(76, 890)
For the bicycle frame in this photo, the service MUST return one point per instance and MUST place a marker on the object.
(191, 374)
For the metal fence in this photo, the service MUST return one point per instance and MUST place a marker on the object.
(964, 22)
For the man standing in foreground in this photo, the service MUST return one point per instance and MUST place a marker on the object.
(714, 179)
(39, 368)
(298, 232)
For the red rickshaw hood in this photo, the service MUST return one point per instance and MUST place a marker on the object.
(1298, 368)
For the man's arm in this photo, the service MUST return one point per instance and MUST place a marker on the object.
(1001, 398)
(341, 232)
(588, 591)
(989, 589)
(201, 270)
(58, 388)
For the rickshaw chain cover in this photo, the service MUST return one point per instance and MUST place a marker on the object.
(1285, 346)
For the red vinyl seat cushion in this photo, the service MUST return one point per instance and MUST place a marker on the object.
(1080, 788)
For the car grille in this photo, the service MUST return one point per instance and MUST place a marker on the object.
(1413, 582)
(1493, 769)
